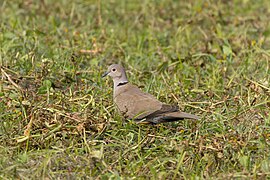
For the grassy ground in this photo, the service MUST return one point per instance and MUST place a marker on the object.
(57, 116)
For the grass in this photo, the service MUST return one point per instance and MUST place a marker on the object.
(57, 116)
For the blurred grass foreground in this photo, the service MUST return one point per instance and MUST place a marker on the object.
(57, 117)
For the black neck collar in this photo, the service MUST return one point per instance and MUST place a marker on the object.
(122, 83)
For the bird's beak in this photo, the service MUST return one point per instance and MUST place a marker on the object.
(105, 74)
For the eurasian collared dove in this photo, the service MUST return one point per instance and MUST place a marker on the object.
(140, 106)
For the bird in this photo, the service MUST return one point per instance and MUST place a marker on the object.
(140, 106)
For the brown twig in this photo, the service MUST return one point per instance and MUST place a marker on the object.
(10, 80)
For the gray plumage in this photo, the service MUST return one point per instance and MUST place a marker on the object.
(138, 105)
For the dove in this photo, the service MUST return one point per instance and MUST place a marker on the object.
(139, 106)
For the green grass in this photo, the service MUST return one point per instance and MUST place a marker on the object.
(57, 117)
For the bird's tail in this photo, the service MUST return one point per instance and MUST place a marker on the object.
(172, 116)
(182, 115)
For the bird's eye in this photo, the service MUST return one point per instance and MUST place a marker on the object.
(113, 69)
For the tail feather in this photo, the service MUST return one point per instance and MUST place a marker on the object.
(170, 117)
(182, 115)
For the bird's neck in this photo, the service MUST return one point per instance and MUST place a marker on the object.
(120, 81)
(119, 84)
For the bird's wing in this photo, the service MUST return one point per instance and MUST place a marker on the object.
(135, 104)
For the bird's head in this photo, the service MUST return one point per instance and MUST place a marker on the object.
(117, 72)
